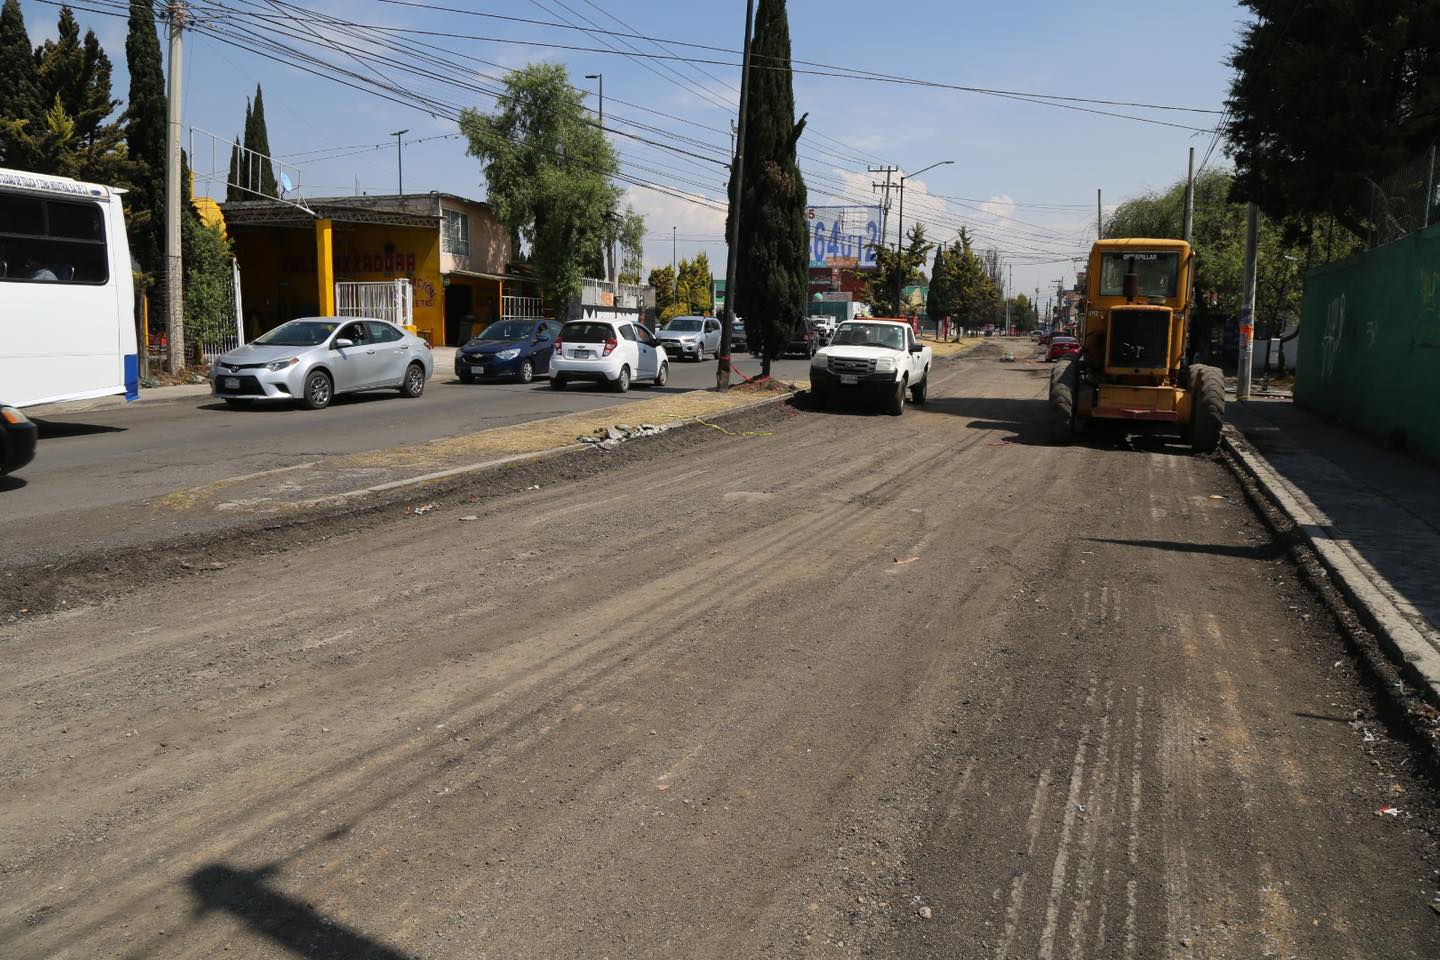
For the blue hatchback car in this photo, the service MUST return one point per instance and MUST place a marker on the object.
(509, 349)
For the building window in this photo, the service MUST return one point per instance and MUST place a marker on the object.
(455, 237)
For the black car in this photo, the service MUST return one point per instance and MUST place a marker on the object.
(17, 439)
(517, 349)
(803, 339)
(737, 336)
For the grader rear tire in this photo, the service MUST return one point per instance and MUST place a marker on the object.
(1064, 381)
(1207, 409)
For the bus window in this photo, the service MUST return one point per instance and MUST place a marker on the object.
(52, 241)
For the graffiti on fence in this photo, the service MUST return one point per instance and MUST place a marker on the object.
(1334, 327)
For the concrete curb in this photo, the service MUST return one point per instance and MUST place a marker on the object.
(1361, 585)
(537, 456)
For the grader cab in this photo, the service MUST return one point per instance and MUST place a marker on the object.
(1132, 370)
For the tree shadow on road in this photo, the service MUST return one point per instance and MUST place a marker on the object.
(1270, 550)
(289, 923)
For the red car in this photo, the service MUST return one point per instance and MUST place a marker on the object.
(1062, 347)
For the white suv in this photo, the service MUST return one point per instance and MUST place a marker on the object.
(613, 352)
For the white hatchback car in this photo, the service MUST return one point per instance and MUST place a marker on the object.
(616, 353)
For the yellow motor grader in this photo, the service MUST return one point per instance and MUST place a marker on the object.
(1132, 368)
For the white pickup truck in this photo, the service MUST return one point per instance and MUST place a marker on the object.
(880, 359)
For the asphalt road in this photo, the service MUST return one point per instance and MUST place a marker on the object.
(848, 686)
(107, 457)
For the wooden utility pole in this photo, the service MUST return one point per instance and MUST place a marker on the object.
(1099, 216)
(727, 323)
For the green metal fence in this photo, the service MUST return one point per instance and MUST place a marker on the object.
(1370, 342)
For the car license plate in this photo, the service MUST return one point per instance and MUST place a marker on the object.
(849, 379)
(232, 383)
(478, 371)
(584, 354)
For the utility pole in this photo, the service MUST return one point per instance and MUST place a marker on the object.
(727, 323)
(174, 267)
(1189, 199)
(885, 204)
(399, 161)
(674, 261)
(1099, 216)
(1247, 309)
(900, 229)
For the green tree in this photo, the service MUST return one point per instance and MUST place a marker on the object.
(241, 182)
(663, 280)
(24, 109)
(260, 173)
(549, 171)
(975, 294)
(209, 282)
(631, 237)
(76, 74)
(145, 118)
(772, 255)
(1328, 100)
(894, 270)
(232, 179)
(940, 303)
(698, 284)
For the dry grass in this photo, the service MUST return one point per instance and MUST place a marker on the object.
(951, 348)
(542, 435)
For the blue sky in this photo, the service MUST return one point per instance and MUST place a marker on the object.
(1024, 174)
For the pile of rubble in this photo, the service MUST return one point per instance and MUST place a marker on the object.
(608, 438)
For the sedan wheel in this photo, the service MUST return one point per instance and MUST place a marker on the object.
(319, 391)
(662, 375)
(527, 372)
(621, 384)
(414, 383)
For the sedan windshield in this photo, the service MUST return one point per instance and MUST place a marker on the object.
(685, 325)
(297, 333)
(508, 330)
(870, 335)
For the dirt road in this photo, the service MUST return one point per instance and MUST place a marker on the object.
(902, 688)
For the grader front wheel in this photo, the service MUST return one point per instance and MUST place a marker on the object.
(1064, 380)
(1207, 407)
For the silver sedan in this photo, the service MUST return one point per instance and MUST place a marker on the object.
(314, 359)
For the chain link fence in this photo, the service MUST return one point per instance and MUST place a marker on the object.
(1405, 201)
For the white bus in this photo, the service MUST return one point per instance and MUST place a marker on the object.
(67, 298)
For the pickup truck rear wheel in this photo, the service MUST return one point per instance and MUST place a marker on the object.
(897, 400)
(917, 392)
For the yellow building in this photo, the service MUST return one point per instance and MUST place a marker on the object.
(453, 251)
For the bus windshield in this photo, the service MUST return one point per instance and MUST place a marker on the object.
(1159, 272)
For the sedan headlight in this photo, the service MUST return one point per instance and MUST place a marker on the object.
(508, 354)
(282, 364)
(885, 365)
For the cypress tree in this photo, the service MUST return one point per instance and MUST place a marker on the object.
(20, 86)
(76, 74)
(772, 256)
(145, 119)
(232, 190)
(242, 182)
(257, 139)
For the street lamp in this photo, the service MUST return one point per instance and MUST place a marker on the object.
(900, 230)
(601, 78)
(399, 160)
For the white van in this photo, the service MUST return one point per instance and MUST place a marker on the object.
(67, 297)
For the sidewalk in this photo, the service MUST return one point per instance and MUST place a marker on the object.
(1371, 514)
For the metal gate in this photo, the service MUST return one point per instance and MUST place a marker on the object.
(392, 300)
(212, 347)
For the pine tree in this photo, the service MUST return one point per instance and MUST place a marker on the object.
(772, 257)
(261, 178)
(76, 73)
(145, 119)
(20, 87)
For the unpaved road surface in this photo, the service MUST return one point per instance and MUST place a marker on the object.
(862, 687)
